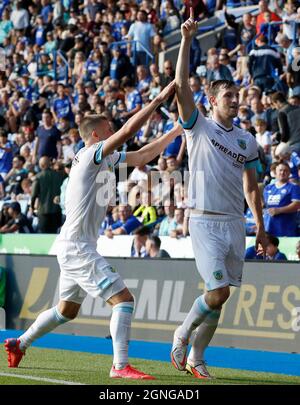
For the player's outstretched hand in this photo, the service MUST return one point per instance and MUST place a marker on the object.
(190, 26)
(166, 92)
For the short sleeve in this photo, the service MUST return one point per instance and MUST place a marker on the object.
(252, 158)
(194, 124)
(295, 159)
(138, 99)
(98, 152)
(295, 193)
(118, 157)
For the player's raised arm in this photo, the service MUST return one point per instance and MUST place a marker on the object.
(185, 100)
(153, 149)
(136, 122)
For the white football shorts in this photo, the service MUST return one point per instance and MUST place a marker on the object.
(84, 271)
(219, 248)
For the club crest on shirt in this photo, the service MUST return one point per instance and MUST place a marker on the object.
(218, 275)
(242, 143)
(219, 132)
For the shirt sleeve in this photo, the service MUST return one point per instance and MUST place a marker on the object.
(98, 152)
(118, 157)
(295, 159)
(138, 99)
(195, 123)
(252, 158)
(295, 193)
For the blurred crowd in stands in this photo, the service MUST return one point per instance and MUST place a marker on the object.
(63, 59)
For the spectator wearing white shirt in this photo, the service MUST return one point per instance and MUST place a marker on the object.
(263, 137)
(20, 17)
(67, 149)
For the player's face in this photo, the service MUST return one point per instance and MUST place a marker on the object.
(226, 103)
(105, 130)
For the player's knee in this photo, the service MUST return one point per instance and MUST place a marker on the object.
(216, 298)
(123, 296)
(69, 309)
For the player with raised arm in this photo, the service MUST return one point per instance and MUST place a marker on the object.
(83, 270)
(222, 160)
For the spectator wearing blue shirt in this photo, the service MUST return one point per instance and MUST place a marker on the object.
(198, 94)
(76, 140)
(284, 152)
(282, 200)
(216, 71)
(174, 147)
(48, 141)
(25, 87)
(118, 24)
(272, 251)
(40, 31)
(133, 99)
(229, 38)
(6, 155)
(125, 225)
(47, 11)
(92, 64)
(62, 106)
(144, 79)
(143, 32)
(263, 61)
(195, 55)
(120, 65)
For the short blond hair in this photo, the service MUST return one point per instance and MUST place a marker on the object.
(89, 124)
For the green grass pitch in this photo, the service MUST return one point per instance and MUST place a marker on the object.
(86, 368)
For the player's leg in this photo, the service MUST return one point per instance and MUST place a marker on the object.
(205, 332)
(210, 250)
(71, 298)
(46, 322)
(235, 236)
(103, 281)
(201, 339)
(120, 327)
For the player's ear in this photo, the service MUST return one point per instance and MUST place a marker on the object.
(94, 134)
(213, 101)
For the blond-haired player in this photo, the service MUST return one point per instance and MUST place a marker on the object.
(83, 270)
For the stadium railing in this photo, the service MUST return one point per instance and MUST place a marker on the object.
(149, 55)
(53, 72)
(269, 35)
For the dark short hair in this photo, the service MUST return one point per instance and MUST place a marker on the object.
(155, 240)
(144, 231)
(278, 96)
(47, 111)
(217, 85)
(21, 158)
(273, 239)
(15, 206)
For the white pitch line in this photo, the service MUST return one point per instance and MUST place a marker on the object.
(30, 377)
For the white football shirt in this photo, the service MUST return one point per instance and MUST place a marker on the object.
(217, 158)
(90, 188)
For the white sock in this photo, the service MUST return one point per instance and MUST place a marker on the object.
(195, 317)
(120, 326)
(203, 336)
(44, 323)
